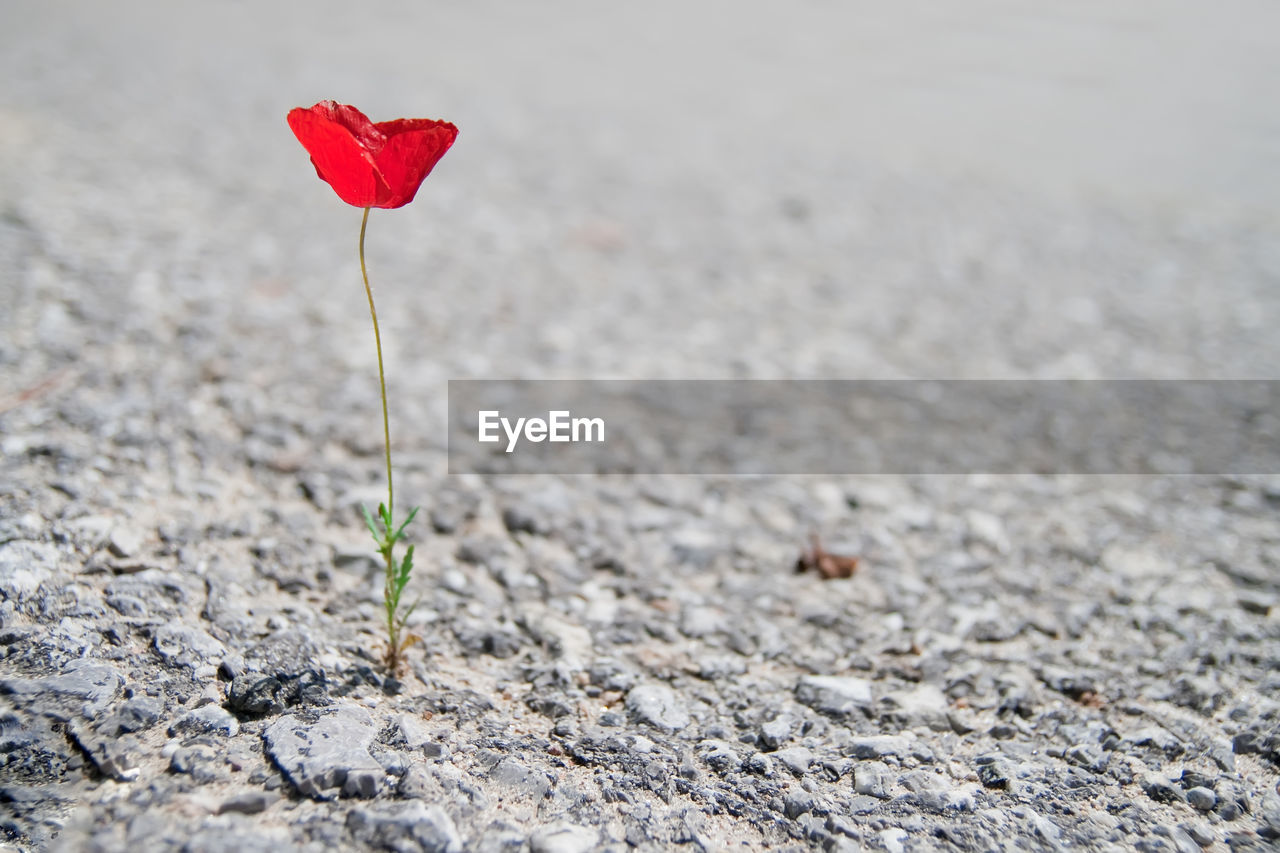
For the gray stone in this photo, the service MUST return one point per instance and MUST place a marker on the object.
(1089, 756)
(797, 759)
(1161, 789)
(720, 667)
(894, 839)
(797, 802)
(326, 753)
(759, 763)
(417, 783)
(393, 761)
(879, 746)
(1201, 833)
(1159, 738)
(719, 755)
(205, 720)
(925, 705)
(413, 826)
(688, 769)
(200, 761)
(482, 638)
(125, 541)
(24, 566)
(522, 780)
(255, 693)
(697, 546)
(775, 733)
(413, 731)
(872, 779)
(284, 653)
(921, 780)
(698, 622)
(838, 696)
(1182, 841)
(499, 837)
(132, 715)
(116, 757)
(563, 838)
(658, 706)
(184, 645)
(525, 518)
(231, 833)
(1233, 801)
(996, 772)
(157, 593)
(1203, 799)
(248, 802)
(84, 688)
(1220, 752)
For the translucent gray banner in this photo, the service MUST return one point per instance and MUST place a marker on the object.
(864, 427)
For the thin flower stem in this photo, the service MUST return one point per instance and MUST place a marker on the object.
(393, 638)
(382, 377)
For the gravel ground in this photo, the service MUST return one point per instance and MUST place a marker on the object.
(188, 408)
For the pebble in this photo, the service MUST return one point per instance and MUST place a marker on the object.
(797, 802)
(84, 688)
(115, 757)
(1089, 756)
(563, 838)
(872, 779)
(1203, 799)
(327, 752)
(520, 779)
(658, 706)
(133, 715)
(775, 733)
(254, 693)
(248, 802)
(412, 826)
(417, 783)
(198, 761)
(523, 518)
(893, 839)
(719, 755)
(1161, 789)
(1201, 833)
(698, 622)
(797, 759)
(834, 695)
(24, 567)
(414, 733)
(205, 720)
(879, 746)
(184, 645)
(125, 541)
(996, 772)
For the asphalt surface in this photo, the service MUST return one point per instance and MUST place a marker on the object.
(676, 191)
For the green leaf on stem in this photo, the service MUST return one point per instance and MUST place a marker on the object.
(402, 576)
(368, 520)
(400, 531)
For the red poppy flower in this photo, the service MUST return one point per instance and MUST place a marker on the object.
(367, 164)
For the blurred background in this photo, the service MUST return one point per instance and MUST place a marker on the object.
(665, 190)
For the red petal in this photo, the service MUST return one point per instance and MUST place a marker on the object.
(412, 149)
(338, 138)
(365, 131)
